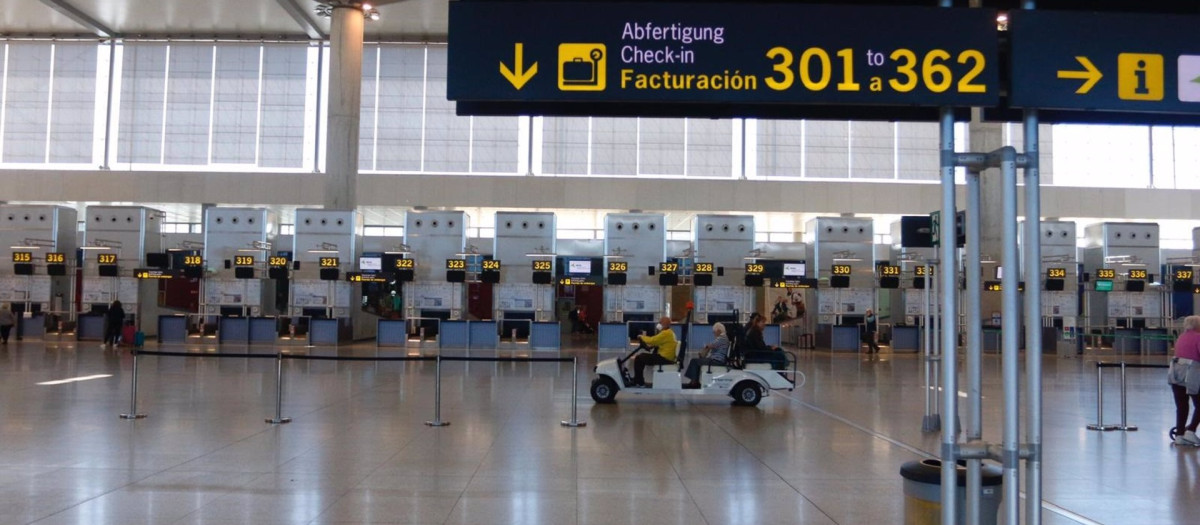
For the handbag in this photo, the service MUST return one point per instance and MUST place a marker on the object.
(1177, 371)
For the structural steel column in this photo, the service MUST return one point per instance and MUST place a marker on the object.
(344, 107)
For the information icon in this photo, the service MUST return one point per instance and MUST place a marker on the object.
(581, 67)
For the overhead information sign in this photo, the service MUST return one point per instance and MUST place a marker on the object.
(1105, 62)
(721, 54)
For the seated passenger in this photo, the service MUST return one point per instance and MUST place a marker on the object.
(665, 341)
(756, 350)
(714, 353)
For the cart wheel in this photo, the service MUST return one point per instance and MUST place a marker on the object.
(604, 390)
(1172, 434)
(746, 393)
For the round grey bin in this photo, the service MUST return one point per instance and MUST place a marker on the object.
(923, 493)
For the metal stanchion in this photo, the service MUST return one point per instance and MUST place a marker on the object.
(1124, 425)
(574, 422)
(437, 396)
(1099, 425)
(279, 419)
(133, 413)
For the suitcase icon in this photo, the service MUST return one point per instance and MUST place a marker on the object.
(577, 72)
(581, 67)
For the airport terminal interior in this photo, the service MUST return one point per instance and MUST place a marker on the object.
(290, 262)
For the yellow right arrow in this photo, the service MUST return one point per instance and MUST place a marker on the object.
(516, 76)
(1090, 75)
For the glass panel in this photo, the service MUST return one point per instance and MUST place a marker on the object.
(26, 102)
(189, 96)
(235, 126)
(401, 102)
(710, 148)
(564, 145)
(74, 104)
(917, 150)
(367, 112)
(143, 85)
(827, 149)
(1102, 156)
(780, 148)
(614, 146)
(494, 145)
(447, 135)
(873, 147)
(660, 151)
(284, 87)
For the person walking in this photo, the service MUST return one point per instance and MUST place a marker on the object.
(870, 327)
(1184, 379)
(7, 320)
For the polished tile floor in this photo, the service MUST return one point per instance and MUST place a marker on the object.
(358, 451)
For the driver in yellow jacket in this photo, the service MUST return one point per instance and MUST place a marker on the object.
(665, 341)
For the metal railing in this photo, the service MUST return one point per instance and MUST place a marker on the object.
(280, 356)
(1100, 366)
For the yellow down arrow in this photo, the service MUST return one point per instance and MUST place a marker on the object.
(516, 76)
(1090, 75)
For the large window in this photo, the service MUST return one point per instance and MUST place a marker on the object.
(49, 102)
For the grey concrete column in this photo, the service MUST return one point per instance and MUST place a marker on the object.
(985, 137)
(343, 107)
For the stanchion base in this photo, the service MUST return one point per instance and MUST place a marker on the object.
(133, 416)
(280, 421)
(574, 424)
(1128, 428)
(931, 423)
(1102, 427)
(437, 423)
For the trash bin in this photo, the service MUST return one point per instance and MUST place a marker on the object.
(923, 493)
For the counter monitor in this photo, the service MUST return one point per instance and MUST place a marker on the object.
(668, 267)
(456, 264)
(106, 258)
(277, 261)
(704, 268)
(56, 258)
(543, 266)
(370, 263)
(1106, 273)
(243, 260)
(1184, 275)
(329, 262)
(887, 270)
(579, 267)
(1137, 274)
(754, 269)
(922, 271)
(841, 269)
(406, 264)
(618, 267)
(1056, 273)
(22, 257)
(491, 264)
(193, 261)
(1104, 286)
(794, 269)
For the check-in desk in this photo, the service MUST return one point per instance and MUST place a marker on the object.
(391, 332)
(328, 331)
(172, 329)
(907, 338)
(838, 338)
(1127, 340)
(91, 327)
(545, 336)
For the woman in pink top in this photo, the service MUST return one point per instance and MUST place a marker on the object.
(1185, 381)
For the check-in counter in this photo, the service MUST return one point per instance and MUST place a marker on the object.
(264, 330)
(484, 334)
(172, 329)
(32, 326)
(391, 332)
(91, 327)
(1155, 341)
(1127, 341)
(327, 331)
(545, 336)
(453, 334)
(838, 338)
(772, 335)
(612, 336)
(907, 338)
(233, 330)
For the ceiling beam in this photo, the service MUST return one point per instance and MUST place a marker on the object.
(301, 16)
(66, 9)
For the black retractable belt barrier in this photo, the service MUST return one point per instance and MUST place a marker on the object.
(280, 356)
